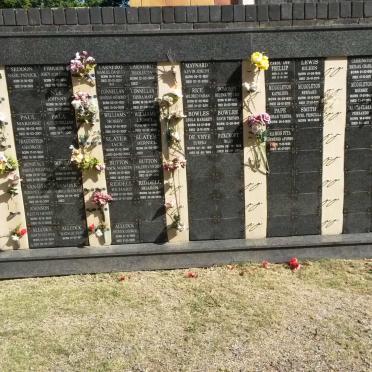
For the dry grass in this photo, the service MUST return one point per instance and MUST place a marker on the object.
(242, 318)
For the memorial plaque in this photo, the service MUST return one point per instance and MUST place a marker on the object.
(214, 149)
(132, 151)
(294, 92)
(358, 142)
(44, 128)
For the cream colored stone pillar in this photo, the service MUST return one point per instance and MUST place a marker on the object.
(255, 173)
(93, 180)
(12, 213)
(334, 122)
(169, 81)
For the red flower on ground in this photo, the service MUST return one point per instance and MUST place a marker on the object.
(265, 264)
(191, 274)
(294, 264)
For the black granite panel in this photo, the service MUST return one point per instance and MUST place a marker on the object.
(44, 128)
(358, 147)
(214, 146)
(294, 91)
(132, 150)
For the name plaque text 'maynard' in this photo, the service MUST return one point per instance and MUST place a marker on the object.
(44, 127)
(214, 144)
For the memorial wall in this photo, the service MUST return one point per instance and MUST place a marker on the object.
(141, 152)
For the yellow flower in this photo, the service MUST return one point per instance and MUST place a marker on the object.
(256, 58)
(263, 65)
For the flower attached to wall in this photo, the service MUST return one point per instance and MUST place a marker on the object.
(83, 66)
(18, 233)
(7, 164)
(85, 108)
(258, 124)
(98, 230)
(260, 60)
(257, 127)
(170, 116)
(13, 182)
(84, 161)
(176, 163)
(100, 199)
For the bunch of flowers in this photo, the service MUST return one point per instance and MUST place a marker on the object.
(176, 163)
(98, 230)
(7, 164)
(17, 233)
(14, 180)
(260, 61)
(165, 105)
(85, 109)
(85, 161)
(257, 125)
(101, 198)
(83, 65)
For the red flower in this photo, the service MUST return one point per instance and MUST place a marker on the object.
(265, 264)
(92, 228)
(191, 274)
(294, 264)
(22, 232)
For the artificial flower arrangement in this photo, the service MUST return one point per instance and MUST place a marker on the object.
(18, 233)
(14, 181)
(97, 230)
(85, 108)
(84, 161)
(257, 127)
(170, 115)
(100, 199)
(83, 65)
(7, 164)
(260, 60)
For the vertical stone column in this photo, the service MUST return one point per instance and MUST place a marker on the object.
(169, 81)
(334, 123)
(12, 214)
(255, 179)
(93, 180)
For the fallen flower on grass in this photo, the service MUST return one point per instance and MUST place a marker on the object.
(265, 264)
(191, 274)
(123, 278)
(294, 264)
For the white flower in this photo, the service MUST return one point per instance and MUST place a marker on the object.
(77, 55)
(3, 157)
(99, 233)
(175, 136)
(180, 227)
(14, 237)
(2, 117)
(76, 104)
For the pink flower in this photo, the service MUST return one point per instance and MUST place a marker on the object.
(169, 203)
(265, 264)
(100, 167)
(191, 274)
(101, 198)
